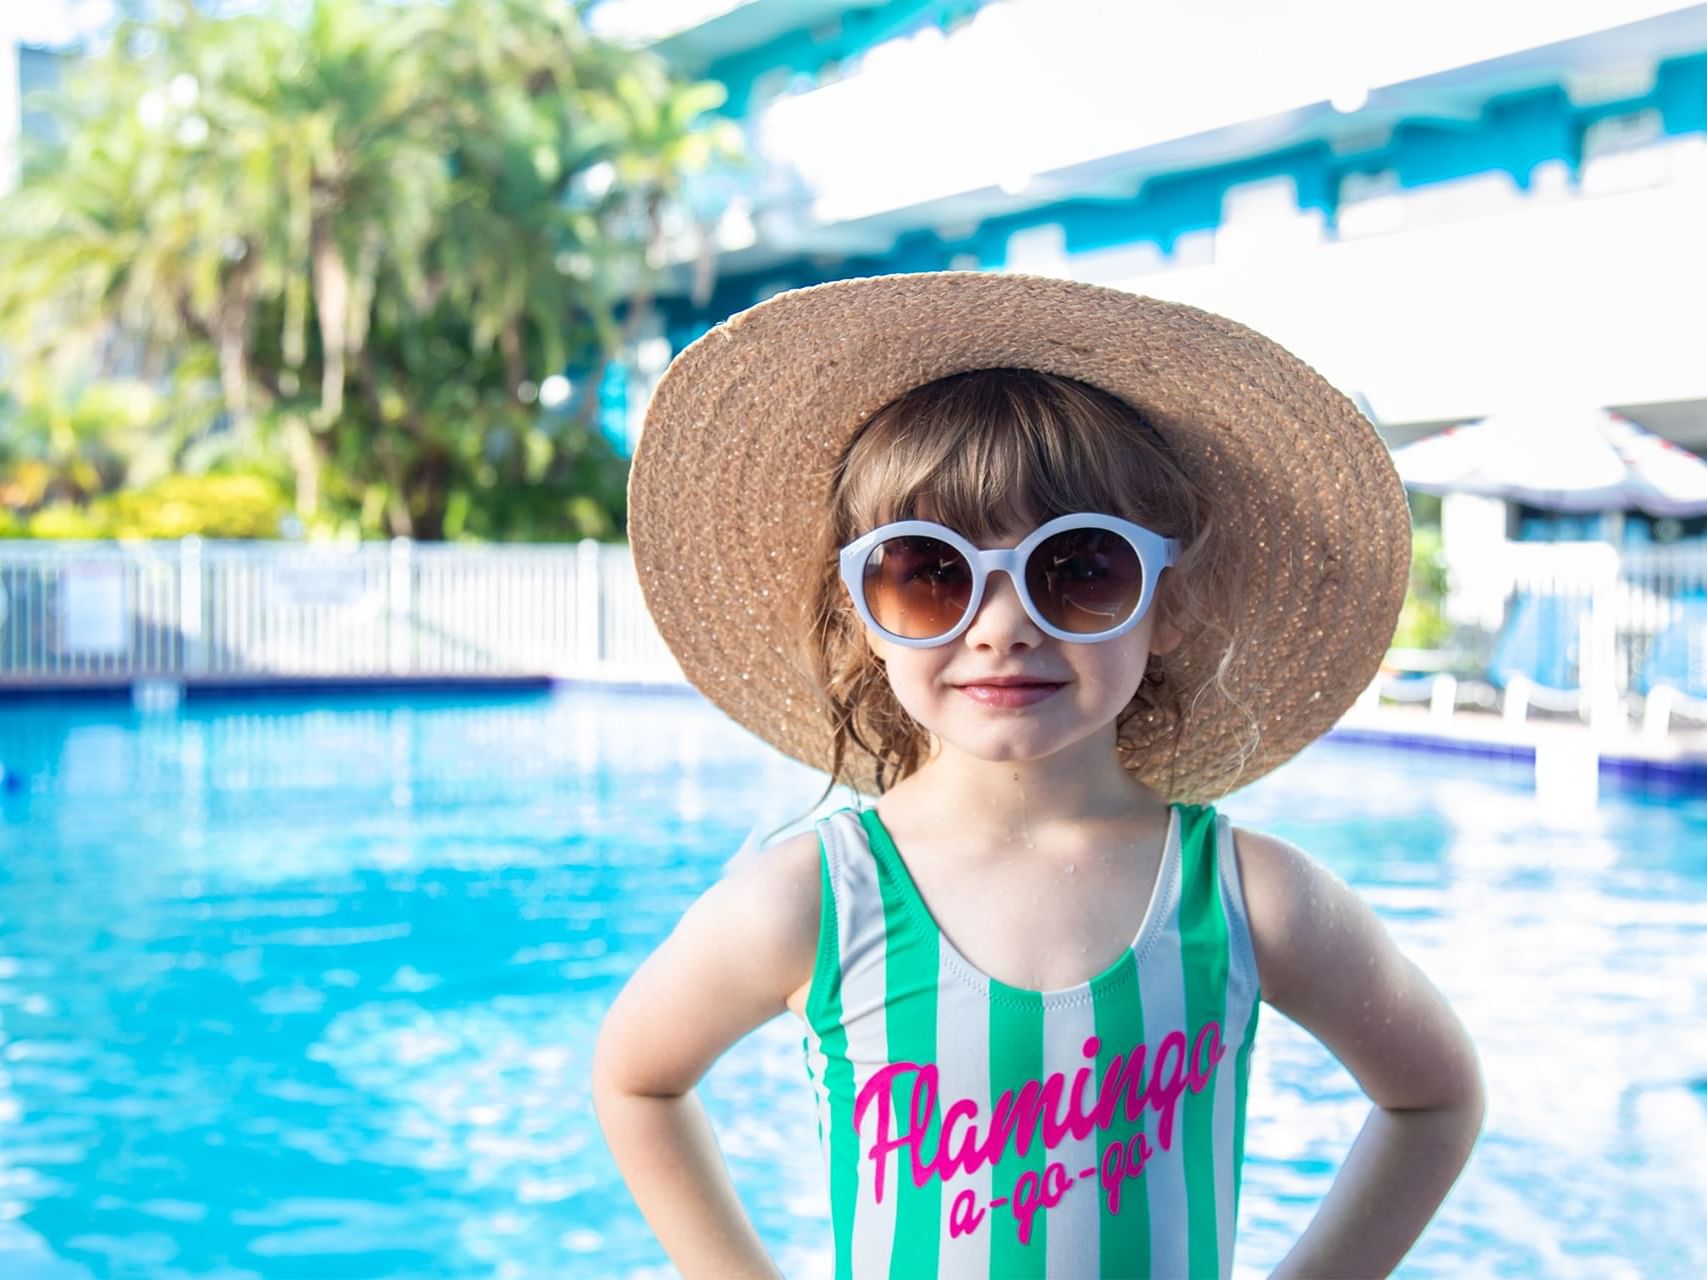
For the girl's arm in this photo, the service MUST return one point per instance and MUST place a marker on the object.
(1326, 961)
(729, 966)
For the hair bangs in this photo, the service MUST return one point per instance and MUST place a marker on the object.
(995, 452)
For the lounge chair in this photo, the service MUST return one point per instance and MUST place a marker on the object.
(1538, 658)
(1673, 676)
(1444, 678)
(1534, 662)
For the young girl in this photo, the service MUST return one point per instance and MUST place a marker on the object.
(1045, 568)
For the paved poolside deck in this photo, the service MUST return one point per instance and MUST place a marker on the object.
(1677, 761)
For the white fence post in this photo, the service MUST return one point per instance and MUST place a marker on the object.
(1604, 711)
(589, 620)
(401, 605)
(190, 605)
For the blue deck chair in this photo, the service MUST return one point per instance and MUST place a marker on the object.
(1535, 661)
(1538, 658)
(1673, 676)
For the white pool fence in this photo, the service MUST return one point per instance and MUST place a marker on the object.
(209, 609)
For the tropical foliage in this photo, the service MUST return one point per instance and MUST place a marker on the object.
(346, 241)
(1422, 624)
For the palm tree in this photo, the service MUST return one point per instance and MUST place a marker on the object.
(362, 220)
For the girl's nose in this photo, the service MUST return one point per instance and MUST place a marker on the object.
(1001, 621)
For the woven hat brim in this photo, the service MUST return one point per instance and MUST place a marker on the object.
(730, 487)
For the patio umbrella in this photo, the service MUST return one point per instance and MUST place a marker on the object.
(1572, 459)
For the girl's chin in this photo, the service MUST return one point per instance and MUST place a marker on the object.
(1014, 738)
(1007, 748)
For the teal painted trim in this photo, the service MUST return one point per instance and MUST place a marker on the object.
(807, 51)
(613, 407)
(1515, 135)
(1680, 92)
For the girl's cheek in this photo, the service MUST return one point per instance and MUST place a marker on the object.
(914, 698)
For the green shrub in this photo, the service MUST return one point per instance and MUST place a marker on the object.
(175, 506)
(1422, 625)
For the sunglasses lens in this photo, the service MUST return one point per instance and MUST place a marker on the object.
(1085, 580)
(917, 587)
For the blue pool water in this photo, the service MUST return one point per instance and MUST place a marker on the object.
(304, 988)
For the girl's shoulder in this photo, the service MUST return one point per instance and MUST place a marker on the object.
(782, 876)
(1272, 872)
(772, 897)
(1293, 905)
(733, 962)
(1326, 961)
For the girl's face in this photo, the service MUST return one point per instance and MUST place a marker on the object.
(959, 691)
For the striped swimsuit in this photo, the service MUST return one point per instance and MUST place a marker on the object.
(973, 1129)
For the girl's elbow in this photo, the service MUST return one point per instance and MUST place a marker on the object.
(1473, 1111)
(1474, 1082)
(1451, 1084)
(1476, 1101)
(1467, 1094)
(626, 1065)
(607, 1078)
(1459, 1073)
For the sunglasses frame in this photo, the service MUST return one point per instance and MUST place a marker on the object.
(1155, 553)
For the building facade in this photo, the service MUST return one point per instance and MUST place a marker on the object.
(1449, 209)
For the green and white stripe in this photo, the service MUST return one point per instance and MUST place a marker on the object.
(1242, 1006)
(889, 987)
(963, 1022)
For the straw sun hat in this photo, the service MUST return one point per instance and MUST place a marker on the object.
(730, 488)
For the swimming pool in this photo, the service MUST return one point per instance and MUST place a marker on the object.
(298, 988)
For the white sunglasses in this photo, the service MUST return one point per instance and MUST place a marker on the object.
(1082, 577)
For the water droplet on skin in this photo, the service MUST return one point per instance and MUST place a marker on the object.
(1024, 826)
(1069, 868)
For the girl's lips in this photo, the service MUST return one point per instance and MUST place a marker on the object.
(1008, 695)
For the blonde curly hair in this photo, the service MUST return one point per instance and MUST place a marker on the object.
(994, 450)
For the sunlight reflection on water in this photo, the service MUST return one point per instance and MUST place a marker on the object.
(296, 989)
